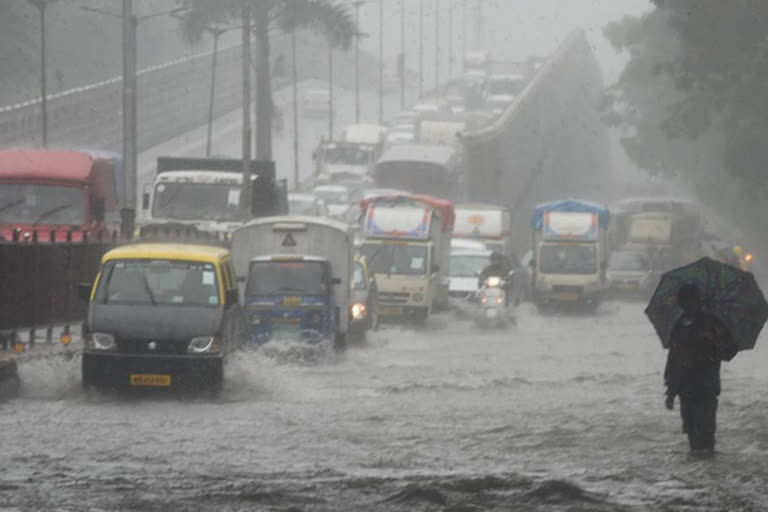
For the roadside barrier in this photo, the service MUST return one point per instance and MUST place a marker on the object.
(40, 279)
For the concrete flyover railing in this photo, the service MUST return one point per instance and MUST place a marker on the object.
(549, 144)
(172, 98)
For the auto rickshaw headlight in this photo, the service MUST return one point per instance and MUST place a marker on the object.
(100, 341)
(358, 311)
(203, 344)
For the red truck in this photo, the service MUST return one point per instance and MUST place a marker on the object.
(50, 195)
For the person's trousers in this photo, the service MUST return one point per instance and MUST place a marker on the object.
(699, 421)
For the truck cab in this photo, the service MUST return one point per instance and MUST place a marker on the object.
(570, 252)
(297, 274)
(52, 196)
(336, 161)
(406, 242)
(207, 193)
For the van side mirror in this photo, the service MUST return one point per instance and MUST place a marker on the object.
(336, 280)
(145, 201)
(232, 297)
(84, 291)
(99, 208)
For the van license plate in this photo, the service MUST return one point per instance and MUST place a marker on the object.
(390, 311)
(150, 379)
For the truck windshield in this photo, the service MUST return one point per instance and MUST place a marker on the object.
(158, 282)
(409, 260)
(568, 259)
(350, 155)
(628, 261)
(197, 201)
(468, 265)
(288, 277)
(41, 204)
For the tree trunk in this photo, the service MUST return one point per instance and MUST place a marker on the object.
(264, 103)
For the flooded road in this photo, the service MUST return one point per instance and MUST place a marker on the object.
(558, 413)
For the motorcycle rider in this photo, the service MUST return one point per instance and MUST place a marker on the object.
(498, 266)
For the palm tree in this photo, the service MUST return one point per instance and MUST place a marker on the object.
(330, 18)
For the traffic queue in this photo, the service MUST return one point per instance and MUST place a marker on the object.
(226, 259)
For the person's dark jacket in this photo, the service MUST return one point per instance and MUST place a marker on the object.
(500, 269)
(697, 346)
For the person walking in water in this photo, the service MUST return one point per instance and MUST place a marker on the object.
(698, 344)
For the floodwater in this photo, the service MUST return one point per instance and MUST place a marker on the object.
(556, 413)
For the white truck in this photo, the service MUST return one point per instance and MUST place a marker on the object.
(350, 158)
(485, 223)
(570, 247)
(206, 193)
(406, 240)
(297, 273)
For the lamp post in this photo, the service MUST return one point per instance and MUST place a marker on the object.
(381, 61)
(421, 47)
(41, 6)
(216, 33)
(130, 23)
(246, 147)
(437, 44)
(450, 39)
(401, 60)
(331, 111)
(295, 78)
(357, 5)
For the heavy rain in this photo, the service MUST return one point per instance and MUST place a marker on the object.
(383, 255)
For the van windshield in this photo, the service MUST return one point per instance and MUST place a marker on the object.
(350, 155)
(288, 277)
(41, 204)
(197, 201)
(158, 282)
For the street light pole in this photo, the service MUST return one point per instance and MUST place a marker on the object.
(128, 212)
(331, 113)
(381, 61)
(41, 6)
(401, 61)
(216, 33)
(295, 78)
(246, 42)
(450, 39)
(437, 45)
(421, 47)
(357, 61)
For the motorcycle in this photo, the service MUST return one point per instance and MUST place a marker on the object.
(492, 297)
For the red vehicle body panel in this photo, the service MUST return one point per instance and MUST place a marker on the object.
(81, 170)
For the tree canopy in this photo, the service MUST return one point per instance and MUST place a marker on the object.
(694, 93)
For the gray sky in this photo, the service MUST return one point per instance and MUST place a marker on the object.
(514, 29)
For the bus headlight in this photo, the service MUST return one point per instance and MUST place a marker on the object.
(358, 311)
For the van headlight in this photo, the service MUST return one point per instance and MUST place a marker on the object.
(203, 344)
(358, 311)
(100, 341)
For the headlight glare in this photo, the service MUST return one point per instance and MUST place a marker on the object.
(358, 311)
(202, 344)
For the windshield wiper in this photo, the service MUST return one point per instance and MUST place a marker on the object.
(10, 205)
(50, 212)
(148, 289)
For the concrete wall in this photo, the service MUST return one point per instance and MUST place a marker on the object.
(550, 144)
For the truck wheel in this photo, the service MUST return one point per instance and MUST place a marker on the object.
(340, 342)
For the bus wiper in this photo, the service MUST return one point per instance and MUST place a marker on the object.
(50, 212)
(148, 289)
